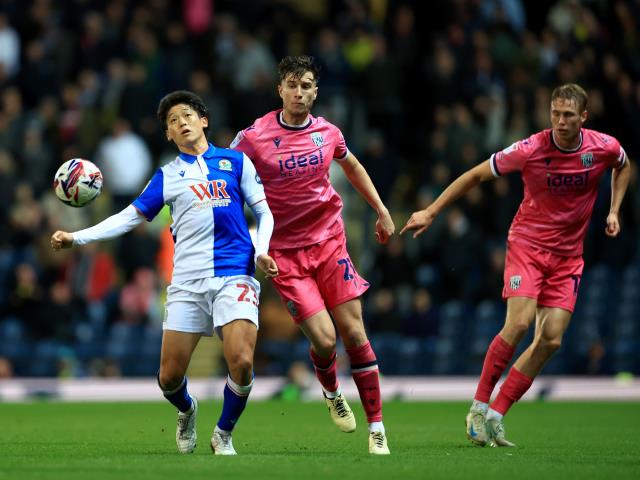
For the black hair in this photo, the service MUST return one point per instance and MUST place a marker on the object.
(298, 66)
(181, 96)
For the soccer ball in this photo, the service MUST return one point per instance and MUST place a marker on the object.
(77, 182)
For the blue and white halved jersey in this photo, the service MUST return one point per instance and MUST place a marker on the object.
(206, 196)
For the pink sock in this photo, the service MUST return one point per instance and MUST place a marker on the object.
(512, 390)
(325, 371)
(364, 370)
(498, 357)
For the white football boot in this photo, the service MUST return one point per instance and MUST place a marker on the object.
(341, 413)
(495, 429)
(378, 444)
(221, 443)
(476, 428)
(186, 435)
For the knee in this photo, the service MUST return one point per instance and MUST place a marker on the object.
(241, 363)
(355, 335)
(519, 326)
(325, 344)
(549, 345)
(168, 380)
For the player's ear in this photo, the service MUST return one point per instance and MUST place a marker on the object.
(280, 90)
(584, 115)
(205, 122)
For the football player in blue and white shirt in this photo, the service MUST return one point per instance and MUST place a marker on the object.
(214, 260)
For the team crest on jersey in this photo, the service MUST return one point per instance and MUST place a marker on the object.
(514, 282)
(318, 141)
(587, 159)
(225, 164)
(276, 141)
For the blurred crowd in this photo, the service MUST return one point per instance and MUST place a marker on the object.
(421, 90)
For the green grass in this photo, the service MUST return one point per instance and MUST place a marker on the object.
(282, 440)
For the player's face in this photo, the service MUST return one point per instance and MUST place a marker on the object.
(184, 126)
(298, 94)
(566, 120)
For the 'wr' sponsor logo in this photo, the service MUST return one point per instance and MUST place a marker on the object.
(212, 190)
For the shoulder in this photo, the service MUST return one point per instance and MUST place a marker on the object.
(528, 145)
(603, 140)
(266, 122)
(321, 122)
(169, 168)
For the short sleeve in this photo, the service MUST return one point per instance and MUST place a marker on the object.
(242, 142)
(151, 200)
(341, 151)
(618, 155)
(511, 159)
(250, 183)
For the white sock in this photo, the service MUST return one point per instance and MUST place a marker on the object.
(376, 427)
(331, 395)
(493, 415)
(478, 406)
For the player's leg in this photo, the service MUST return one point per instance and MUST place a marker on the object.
(523, 279)
(177, 348)
(551, 324)
(557, 299)
(188, 316)
(521, 312)
(299, 291)
(364, 369)
(239, 341)
(321, 333)
(235, 319)
(341, 287)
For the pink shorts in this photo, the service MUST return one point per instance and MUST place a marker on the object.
(551, 279)
(316, 277)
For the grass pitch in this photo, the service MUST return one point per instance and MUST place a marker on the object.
(288, 440)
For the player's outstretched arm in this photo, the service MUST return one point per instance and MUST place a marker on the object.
(422, 220)
(115, 225)
(619, 183)
(359, 178)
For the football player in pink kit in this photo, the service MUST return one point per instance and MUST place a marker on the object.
(561, 168)
(292, 152)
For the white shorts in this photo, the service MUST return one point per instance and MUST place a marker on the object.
(200, 306)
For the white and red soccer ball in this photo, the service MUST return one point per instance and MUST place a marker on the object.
(77, 182)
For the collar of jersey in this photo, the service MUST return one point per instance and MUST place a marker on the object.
(192, 158)
(564, 150)
(292, 127)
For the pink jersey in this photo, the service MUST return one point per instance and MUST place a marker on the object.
(560, 187)
(293, 163)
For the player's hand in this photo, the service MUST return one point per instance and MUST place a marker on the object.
(384, 227)
(419, 222)
(613, 225)
(61, 239)
(267, 265)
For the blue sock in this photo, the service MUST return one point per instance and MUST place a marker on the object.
(178, 396)
(235, 399)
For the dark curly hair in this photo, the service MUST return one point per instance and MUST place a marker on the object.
(298, 66)
(181, 96)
